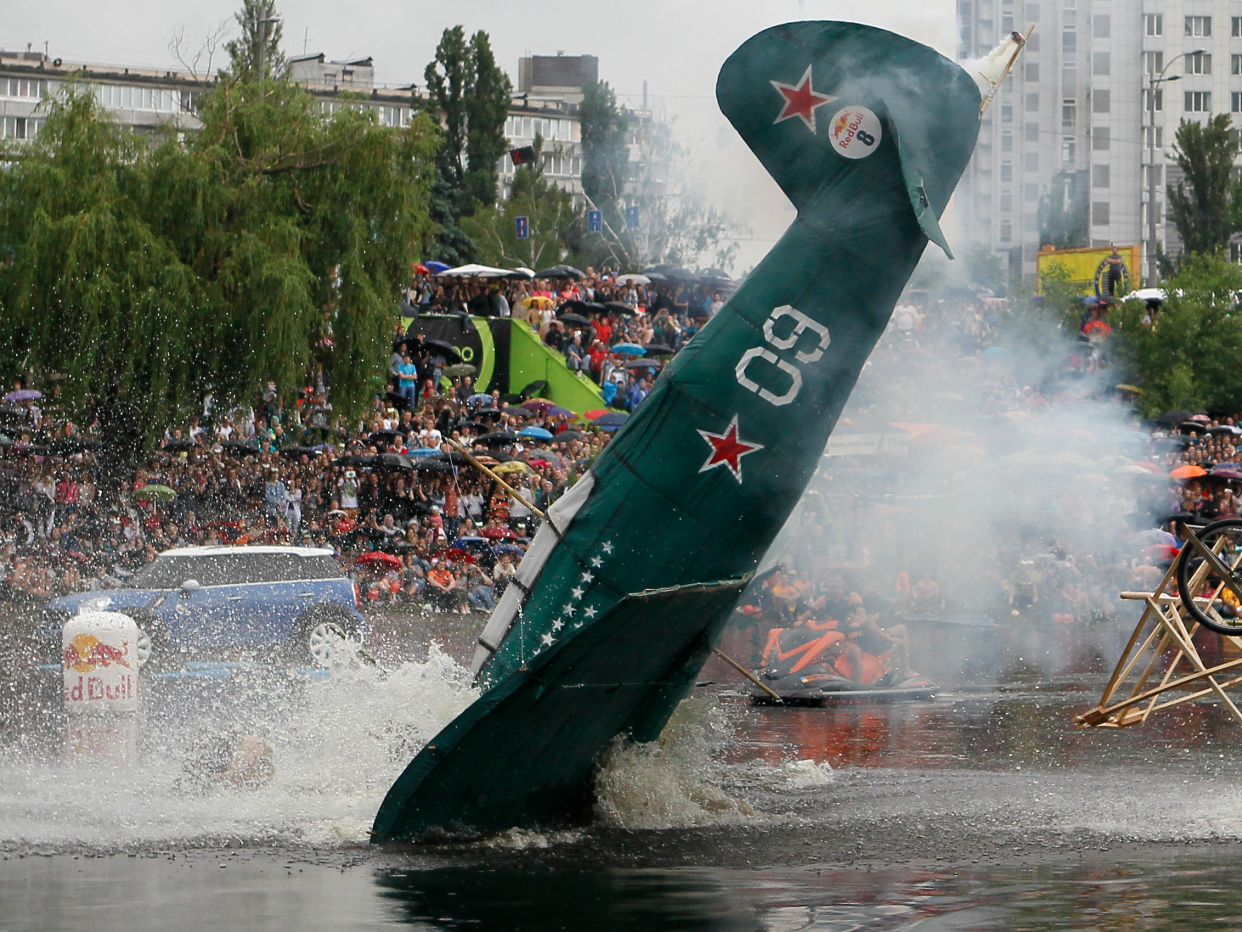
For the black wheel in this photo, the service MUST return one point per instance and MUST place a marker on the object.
(319, 633)
(154, 643)
(1219, 545)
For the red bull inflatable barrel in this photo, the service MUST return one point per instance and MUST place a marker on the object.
(100, 669)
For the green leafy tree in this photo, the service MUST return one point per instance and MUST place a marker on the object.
(1206, 205)
(259, 43)
(552, 218)
(1063, 214)
(605, 155)
(1187, 357)
(472, 96)
(152, 274)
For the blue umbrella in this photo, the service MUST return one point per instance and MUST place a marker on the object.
(438, 267)
(630, 349)
(423, 451)
(476, 398)
(612, 421)
(537, 432)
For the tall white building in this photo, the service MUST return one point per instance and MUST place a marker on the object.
(1071, 122)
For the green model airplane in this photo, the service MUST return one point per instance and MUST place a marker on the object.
(629, 582)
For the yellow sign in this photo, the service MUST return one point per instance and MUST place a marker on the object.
(1089, 268)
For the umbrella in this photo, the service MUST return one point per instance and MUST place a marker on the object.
(427, 464)
(424, 451)
(293, 452)
(397, 400)
(355, 459)
(714, 276)
(461, 368)
(1200, 417)
(642, 364)
(612, 419)
(478, 397)
(157, 493)
(534, 387)
(448, 349)
(474, 270)
(521, 272)
(659, 349)
(244, 447)
(484, 460)
(617, 307)
(501, 549)
(498, 533)
(629, 349)
(538, 404)
(515, 411)
(387, 436)
(570, 435)
(573, 319)
(391, 461)
(453, 458)
(539, 301)
(511, 467)
(560, 271)
(1134, 389)
(1226, 471)
(1188, 472)
(375, 558)
(179, 446)
(1178, 414)
(499, 437)
(1148, 294)
(558, 412)
(23, 394)
(1156, 536)
(632, 278)
(435, 268)
(537, 432)
(598, 412)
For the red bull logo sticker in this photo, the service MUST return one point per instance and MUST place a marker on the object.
(855, 132)
(86, 653)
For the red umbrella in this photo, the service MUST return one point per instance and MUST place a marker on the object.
(421, 269)
(598, 412)
(498, 533)
(538, 404)
(375, 558)
(1188, 472)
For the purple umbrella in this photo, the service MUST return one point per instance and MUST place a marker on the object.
(23, 394)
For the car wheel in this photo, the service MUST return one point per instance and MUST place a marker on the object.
(320, 633)
(154, 643)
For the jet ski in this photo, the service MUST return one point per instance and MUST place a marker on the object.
(823, 688)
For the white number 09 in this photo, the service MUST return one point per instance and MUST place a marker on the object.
(802, 325)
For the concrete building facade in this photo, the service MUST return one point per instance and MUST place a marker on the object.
(1070, 126)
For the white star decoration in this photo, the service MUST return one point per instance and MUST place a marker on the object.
(547, 639)
(578, 625)
(606, 546)
(590, 611)
(597, 562)
(557, 625)
(577, 593)
(587, 577)
(568, 610)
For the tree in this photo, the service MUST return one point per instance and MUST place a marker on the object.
(549, 210)
(605, 155)
(1206, 206)
(1063, 213)
(1187, 357)
(151, 272)
(259, 43)
(472, 96)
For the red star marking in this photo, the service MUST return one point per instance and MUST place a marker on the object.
(801, 100)
(727, 449)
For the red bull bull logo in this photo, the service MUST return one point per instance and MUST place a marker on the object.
(86, 653)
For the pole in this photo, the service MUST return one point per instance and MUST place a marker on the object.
(746, 673)
(262, 42)
(504, 485)
(1151, 182)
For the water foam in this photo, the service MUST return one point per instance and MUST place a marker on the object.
(338, 744)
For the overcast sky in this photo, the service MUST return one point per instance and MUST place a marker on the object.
(676, 46)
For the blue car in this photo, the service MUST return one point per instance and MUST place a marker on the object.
(294, 603)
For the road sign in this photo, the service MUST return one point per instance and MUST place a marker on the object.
(595, 221)
(523, 227)
(631, 217)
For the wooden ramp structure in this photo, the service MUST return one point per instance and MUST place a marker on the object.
(1161, 666)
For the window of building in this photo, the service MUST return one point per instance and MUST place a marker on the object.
(1199, 63)
(30, 88)
(1030, 193)
(1198, 26)
(1006, 202)
(1069, 113)
(1198, 102)
(1007, 141)
(1006, 113)
(1030, 223)
(1101, 101)
(1032, 43)
(1007, 21)
(1030, 162)
(1153, 24)
(1101, 63)
(1006, 231)
(1149, 141)
(12, 127)
(1235, 26)
(1030, 132)
(1147, 99)
(1153, 62)
(1099, 213)
(1235, 102)
(1101, 139)
(1032, 103)
(1032, 12)
(1153, 174)
(1006, 171)
(1068, 148)
(1032, 71)
(1100, 176)
(1101, 26)
(1069, 77)
(1069, 41)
